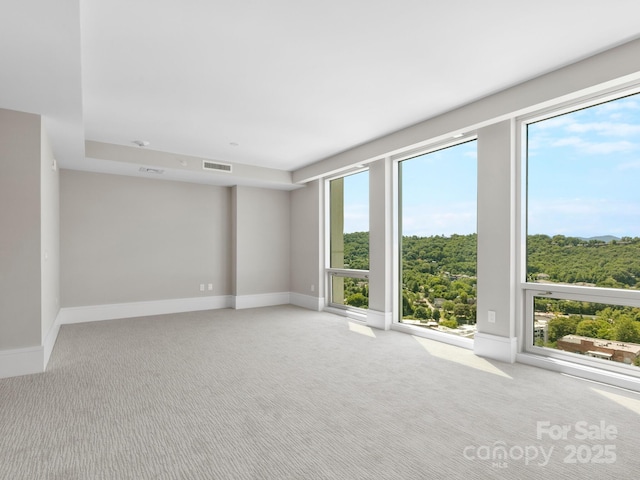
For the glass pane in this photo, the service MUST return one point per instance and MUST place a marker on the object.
(349, 221)
(353, 292)
(439, 241)
(583, 200)
(608, 332)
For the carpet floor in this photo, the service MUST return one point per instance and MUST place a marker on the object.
(286, 393)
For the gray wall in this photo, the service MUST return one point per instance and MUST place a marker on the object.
(126, 239)
(20, 280)
(307, 270)
(380, 237)
(496, 229)
(262, 240)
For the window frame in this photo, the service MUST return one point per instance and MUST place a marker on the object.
(528, 290)
(397, 323)
(333, 272)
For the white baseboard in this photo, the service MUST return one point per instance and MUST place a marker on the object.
(50, 341)
(261, 300)
(441, 337)
(377, 319)
(94, 313)
(21, 361)
(307, 301)
(29, 360)
(357, 314)
(503, 349)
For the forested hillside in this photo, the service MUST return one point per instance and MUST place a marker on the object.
(439, 273)
(438, 276)
(574, 260)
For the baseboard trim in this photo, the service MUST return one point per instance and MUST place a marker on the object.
(435, 335)
(260, 300)
(307, 301)
(30, 360)
(359, 315)
(503, 349)
(377, 319)
(50, 341)
(21, 361)
(95, 313)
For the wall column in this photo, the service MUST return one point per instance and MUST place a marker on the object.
(29, 251)
(260, 247)
(496, 242)
(307, 246)
(380, 312)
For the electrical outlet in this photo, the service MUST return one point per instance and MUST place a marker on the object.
(202, 287)
(492, 317)
(210, 287)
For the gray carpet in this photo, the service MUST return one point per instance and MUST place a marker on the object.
(285, 393)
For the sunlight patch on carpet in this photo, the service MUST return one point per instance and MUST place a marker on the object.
(630, 403)
(361, 329)
(459, 355)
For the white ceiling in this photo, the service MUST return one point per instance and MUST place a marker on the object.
(289, 81)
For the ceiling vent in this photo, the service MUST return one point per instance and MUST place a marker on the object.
(216, 167)
(155, 171)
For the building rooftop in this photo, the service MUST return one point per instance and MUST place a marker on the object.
(611, 344)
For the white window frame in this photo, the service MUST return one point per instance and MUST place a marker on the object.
(397, 323)
(528, 290)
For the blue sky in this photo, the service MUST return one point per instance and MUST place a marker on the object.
(439, 194)
(583, 172)
(356, 202)
(583, 179)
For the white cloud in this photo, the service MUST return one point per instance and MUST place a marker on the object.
(595, 148)
(613, 129)
(568, 141)
(605, 148)
(619, 105)
(429, 220)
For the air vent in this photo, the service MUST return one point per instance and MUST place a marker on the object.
(217, 167)
(155, 171)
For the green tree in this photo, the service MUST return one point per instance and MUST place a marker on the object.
(357, 300)
(407, 307)
(461, 311)
(422, 313)
(595, 328)
(561, 326)
(627, 330)
(449, 322)
(448, 306)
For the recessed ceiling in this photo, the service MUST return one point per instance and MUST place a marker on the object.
(284, 83)
(293, 82)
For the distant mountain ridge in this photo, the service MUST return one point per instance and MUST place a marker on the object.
(601, 238)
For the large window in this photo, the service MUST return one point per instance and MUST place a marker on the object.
(438, 208)
(583, 232)
(349, 241)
